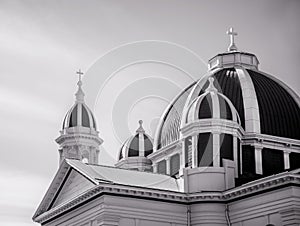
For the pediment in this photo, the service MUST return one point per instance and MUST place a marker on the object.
(66, 185)
(74, 185)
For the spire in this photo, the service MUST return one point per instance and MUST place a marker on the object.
(211, 87)
(79, 94)
(232, 46)
(140, 129)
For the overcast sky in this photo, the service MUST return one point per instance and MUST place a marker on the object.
(136, 54)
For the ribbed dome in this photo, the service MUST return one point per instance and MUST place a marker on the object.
(138, 145)
(79, 115)
(264, 104)
(211, 104)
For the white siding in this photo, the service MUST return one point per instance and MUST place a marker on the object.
(74, 186)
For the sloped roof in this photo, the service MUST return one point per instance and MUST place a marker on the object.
(99, 173)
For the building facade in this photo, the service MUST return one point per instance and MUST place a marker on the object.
(226, 152)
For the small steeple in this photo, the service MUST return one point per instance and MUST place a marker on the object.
(140, 129)
(232, 46)
(211, 87)
(79, 94)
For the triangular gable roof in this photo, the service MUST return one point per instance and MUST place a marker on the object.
(98, 174)
(55, 187)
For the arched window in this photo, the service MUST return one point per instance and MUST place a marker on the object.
(226, 147)
(205, 149)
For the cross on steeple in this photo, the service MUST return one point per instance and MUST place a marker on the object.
(79, 94)
(231, 33)
(80, 73)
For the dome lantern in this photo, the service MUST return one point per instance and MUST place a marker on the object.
(134, 151)
(79, 137)
(233, 57)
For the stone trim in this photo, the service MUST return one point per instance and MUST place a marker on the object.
(172, 196)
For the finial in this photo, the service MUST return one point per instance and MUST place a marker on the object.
(79, 94)
(140, 129)
(231, 33)
(211, 87)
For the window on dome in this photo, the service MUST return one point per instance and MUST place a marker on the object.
(174, 164)
(206, 108)
(73, 117)
(226, 147)
(205, 149)
(85, 117)
(162, 167)
(148, 146)
(134, 147)
(225, 111)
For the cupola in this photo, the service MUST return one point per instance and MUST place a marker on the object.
(79, 138)
(134, 151)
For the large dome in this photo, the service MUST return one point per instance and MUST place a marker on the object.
(264, 104)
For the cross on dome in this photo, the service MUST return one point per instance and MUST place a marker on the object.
(79, 94)
(80, 73)
(231, 33)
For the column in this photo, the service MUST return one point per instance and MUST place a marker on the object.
(286, 156)
(241, 158)
(154, 167)
(168, 165)
(216, 149)
(182, 155)
(194, 151)
(235, 155)
(258, 159)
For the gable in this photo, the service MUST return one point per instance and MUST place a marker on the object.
(74, 185)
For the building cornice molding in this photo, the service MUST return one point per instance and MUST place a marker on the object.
(261, 185)
(269, 141)
(212, 125)
(170, 149)
(71, 137)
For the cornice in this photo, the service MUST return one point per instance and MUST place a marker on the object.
(70, 137)
(240, 192)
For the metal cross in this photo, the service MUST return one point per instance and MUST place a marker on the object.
(231, 33)
(80, 73)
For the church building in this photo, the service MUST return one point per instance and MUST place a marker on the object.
(226, 152)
